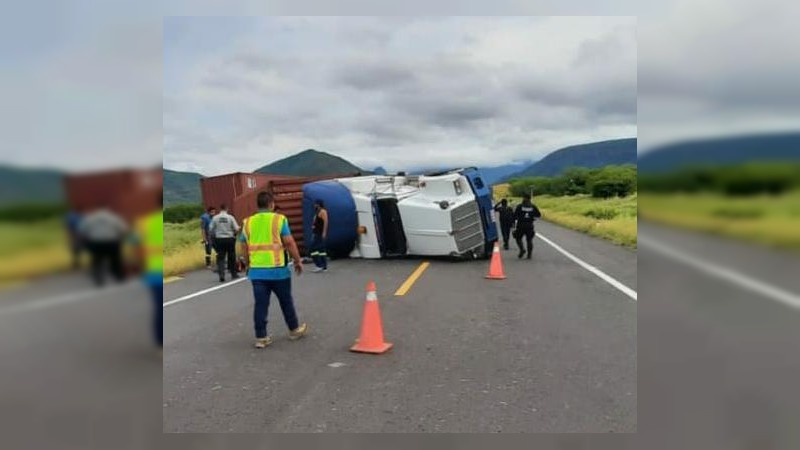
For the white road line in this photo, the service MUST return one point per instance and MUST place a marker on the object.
(602, 275)
(204, 291)
(737, 278)
(72, 297)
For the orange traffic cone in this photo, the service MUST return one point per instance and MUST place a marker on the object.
(371, 339)
(496, 266)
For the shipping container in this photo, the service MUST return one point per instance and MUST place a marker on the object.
(224, 189)
(130, 193)
(288, 194)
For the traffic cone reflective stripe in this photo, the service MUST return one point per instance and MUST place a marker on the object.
(371, 338)
(496, 265)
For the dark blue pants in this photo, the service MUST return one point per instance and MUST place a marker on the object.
(157, 292)
(319, 251)
(262, 289)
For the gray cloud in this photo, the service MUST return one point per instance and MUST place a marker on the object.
(469, 90)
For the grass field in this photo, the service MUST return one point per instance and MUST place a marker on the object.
(613, 219)
(182, 248)
(769, 220)
(32, 249)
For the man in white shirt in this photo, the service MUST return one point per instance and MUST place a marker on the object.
(224, 229)
(103, 232)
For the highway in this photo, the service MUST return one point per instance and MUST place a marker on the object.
(717, 359)
(719, 329)
(550, 349)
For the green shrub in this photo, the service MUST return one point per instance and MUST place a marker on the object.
(32, 212)
(182, 213)
(601, 213)
(731, 212)
(602, 182)
(735, 180)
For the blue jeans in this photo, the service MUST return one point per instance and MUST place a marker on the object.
(157, 292)
(319, 252)
(262, 289)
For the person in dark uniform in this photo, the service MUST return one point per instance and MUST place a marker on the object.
(524, 216)
(319, 252)
(506, 220)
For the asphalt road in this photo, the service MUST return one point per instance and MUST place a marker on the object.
(78, 366)
(719, 365)
(550, 349)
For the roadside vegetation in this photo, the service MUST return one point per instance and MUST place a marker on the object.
(183, 248)
(32, 249)
(600, 202)
(757, 202)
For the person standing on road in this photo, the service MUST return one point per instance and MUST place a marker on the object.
(150, 239)
(72, 222)
(205, 223)
(103, 232)
(506, 220)
(268, 239)
(524, 216)
(319, 252)
(223, 231)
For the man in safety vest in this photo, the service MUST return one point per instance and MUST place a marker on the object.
(150, 236)
(267, 238)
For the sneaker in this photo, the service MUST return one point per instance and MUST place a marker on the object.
(263, 342)
(521, 254)
(529, 256)
(298, 332)
(221, 279)
(318, 270)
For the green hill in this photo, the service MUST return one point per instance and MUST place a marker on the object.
(181, 187)
(595, 154)
(18, 185)
(311, 162)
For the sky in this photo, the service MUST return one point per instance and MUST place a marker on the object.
(94, 84)
(393, 92)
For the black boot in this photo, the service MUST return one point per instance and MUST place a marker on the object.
(521, 254)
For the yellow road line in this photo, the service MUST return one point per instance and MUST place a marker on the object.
(406, 286)
(171, 279)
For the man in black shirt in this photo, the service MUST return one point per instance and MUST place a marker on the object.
(524, 216)
(506, 220)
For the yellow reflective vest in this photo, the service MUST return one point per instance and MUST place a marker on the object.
(151, 230)
(264, 245)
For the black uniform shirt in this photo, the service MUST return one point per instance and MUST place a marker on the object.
(525, 214)
(506, 215)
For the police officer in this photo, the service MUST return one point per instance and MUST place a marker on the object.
(524, 216)
(506, 220)
(268, 238)
(223, 230)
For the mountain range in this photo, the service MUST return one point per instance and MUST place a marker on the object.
(19, 185)
(722, 151)
(595, 154)
(31, 185)
(181, 187)
(309, 163)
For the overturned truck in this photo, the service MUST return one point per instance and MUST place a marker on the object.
(378, 216)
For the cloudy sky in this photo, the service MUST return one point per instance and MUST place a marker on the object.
(396, 92)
